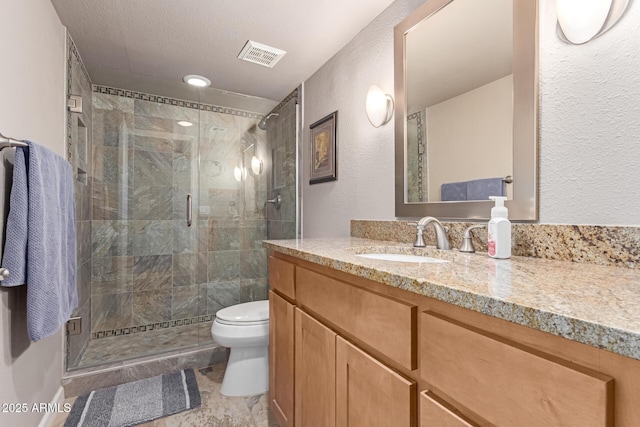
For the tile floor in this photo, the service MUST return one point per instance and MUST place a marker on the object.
(216, 410)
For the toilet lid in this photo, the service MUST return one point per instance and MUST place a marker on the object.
(245, 313)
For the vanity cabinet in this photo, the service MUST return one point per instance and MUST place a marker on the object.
(335, 382)
(369, 354)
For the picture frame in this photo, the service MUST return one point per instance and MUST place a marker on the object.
(324, 164)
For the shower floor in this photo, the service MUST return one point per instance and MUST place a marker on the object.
(113, 350)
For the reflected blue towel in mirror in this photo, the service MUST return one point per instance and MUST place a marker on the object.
(481, 189)
(40, 246)
(453, 191)
(477, 189)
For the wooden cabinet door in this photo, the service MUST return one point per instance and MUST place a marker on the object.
(368, 393)
(281, 358)
(315, 376)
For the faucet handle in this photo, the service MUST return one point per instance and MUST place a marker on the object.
(467, 243)
(419, 243)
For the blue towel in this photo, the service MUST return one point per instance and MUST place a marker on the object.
(453, 191)
(40, 246)
(481, 189)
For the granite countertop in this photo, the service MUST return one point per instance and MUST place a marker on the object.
(591, 304)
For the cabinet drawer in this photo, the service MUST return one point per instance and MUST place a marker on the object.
(434, 413)
(386, 324)
(509, 384)
(282, 277)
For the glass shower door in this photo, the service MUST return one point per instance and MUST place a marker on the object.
(144, 293)
(231, 260)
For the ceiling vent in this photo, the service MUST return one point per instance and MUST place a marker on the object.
(261, 54)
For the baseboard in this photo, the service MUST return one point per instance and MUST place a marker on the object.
(49, 417)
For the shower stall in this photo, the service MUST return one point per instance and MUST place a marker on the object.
(171, 215)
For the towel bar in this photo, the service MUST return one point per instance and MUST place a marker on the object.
(4, 273)
(10, 142)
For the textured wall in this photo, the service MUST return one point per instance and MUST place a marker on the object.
(365, 184)
(589, 128)
(32, 91)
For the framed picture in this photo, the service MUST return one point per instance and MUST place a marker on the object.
(324, 149)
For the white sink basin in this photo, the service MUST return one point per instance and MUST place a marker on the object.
(402, 258)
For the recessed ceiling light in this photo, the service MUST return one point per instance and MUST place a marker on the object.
(185, 123)
(195, 80)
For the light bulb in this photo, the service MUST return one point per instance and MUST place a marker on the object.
(379, 106)
(197, 81)
(237, 173)
(256, 165)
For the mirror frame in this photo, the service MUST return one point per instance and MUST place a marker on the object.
(524, 205)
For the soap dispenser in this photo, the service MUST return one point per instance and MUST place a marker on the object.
(499, 239)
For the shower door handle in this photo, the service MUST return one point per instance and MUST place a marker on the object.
(189, 210)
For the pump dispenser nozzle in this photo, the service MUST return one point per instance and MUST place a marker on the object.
(499, 211)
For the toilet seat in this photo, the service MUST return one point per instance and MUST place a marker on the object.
(232, 323)
(246, 314)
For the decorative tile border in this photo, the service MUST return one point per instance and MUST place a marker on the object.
(418, 117)
(173, 101)
(617, 246)
(292, 95)
(152, 327)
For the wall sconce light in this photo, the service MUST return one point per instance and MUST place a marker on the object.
(379, 106)
(583, 20)
(256, 165)
(240, 173)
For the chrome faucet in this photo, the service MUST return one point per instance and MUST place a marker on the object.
(467, 243)
(442, 242)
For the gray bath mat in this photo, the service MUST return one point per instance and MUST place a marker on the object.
(137, 402)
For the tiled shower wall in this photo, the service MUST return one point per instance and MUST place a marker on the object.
(149, 269)
(79, 153)
(281, 147)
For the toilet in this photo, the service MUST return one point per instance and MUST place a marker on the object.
(244, 328)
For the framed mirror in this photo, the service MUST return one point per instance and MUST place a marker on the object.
(466, 119)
